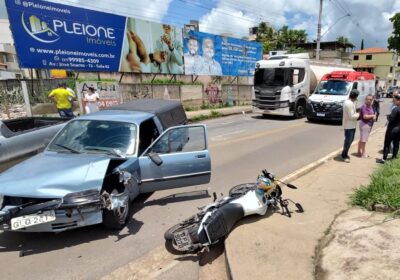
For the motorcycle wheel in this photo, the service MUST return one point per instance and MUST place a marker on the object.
(241, 189)
(170, 240)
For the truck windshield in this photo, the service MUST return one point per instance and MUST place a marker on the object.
(333, 87)
(93, 136)
(269, 77)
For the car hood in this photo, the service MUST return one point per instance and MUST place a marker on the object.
(327, 98)
(53, 175)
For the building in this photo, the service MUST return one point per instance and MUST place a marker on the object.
(9, 68)
(334, 51)
(382, 62)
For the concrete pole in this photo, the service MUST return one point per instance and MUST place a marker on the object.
(26, 99)
(319, 30)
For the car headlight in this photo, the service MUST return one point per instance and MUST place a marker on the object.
(83, 197)
(339, 103)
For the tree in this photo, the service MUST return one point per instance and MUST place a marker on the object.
(394, 40)
(342, 39)
(284, 39)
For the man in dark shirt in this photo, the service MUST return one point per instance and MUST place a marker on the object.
(393, 130)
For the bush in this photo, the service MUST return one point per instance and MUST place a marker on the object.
(384, 188)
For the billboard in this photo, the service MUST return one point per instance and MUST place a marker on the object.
(151, 48)
(208, 54)
(54, 36)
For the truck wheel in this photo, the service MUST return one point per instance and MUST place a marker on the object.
(300, 109)
(116, 218)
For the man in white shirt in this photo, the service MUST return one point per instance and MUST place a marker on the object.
(350, 117)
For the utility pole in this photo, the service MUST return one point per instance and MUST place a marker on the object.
(319, 30)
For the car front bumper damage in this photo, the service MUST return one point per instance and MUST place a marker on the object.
(72, 211)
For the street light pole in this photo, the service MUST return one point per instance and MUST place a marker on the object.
(319, 30)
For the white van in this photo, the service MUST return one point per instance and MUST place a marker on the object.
(334, 88)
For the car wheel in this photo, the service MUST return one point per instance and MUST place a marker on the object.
(310, 119)
(116, 218)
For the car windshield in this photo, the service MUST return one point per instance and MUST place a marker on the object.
(93, 136)
(333, 87)
(269, 77)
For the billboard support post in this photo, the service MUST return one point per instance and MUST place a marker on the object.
(26, 98)
(98, 76)
(120, 78)
(154, 77)
(173, 77)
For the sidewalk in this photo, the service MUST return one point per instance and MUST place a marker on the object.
(276, 247)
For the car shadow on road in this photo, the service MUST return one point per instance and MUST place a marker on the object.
(273, 117)
(179, 197)
(324, 122)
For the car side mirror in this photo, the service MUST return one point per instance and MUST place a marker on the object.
(155, 158)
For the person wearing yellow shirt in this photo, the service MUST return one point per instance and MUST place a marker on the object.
(61, 97)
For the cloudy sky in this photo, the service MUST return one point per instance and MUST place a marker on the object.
(355, 19)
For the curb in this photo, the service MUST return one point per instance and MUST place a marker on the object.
(224, 112)
(295, 175)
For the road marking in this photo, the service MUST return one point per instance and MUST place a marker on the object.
(256, 135)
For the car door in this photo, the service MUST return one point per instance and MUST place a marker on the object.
(178, 158)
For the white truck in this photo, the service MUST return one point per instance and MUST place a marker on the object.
(283, 83)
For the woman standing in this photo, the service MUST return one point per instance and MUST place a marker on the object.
(367, 118)
(91, 98)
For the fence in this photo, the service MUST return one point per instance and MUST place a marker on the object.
(12, 101)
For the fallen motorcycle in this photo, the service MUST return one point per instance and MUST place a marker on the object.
(216, 220)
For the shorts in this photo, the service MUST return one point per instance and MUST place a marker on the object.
(365, 130)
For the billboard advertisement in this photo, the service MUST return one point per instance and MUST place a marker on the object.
(152, 48)
(54, 36)
(208, 54)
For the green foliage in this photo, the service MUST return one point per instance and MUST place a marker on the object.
(343, 40)
(206, 106)
(202, 117)
(283, 39)
(394, 40)
(384, 188)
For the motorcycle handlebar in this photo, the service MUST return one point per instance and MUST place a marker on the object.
(272, 177)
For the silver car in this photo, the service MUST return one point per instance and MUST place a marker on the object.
(95, 166)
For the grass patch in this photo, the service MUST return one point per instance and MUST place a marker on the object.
(202, 117)
(384, 188)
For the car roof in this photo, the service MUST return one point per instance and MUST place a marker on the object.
(118, 115)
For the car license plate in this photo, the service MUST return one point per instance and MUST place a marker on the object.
(31, 220)
(320, 115)
(182, 239)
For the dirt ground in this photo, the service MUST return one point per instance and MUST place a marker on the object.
(360, 245)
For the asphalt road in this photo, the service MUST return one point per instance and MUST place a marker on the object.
(240, 146)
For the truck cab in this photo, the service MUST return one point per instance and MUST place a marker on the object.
(326, 103)
(281, 87)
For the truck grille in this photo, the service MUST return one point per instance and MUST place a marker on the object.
(266, 99)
